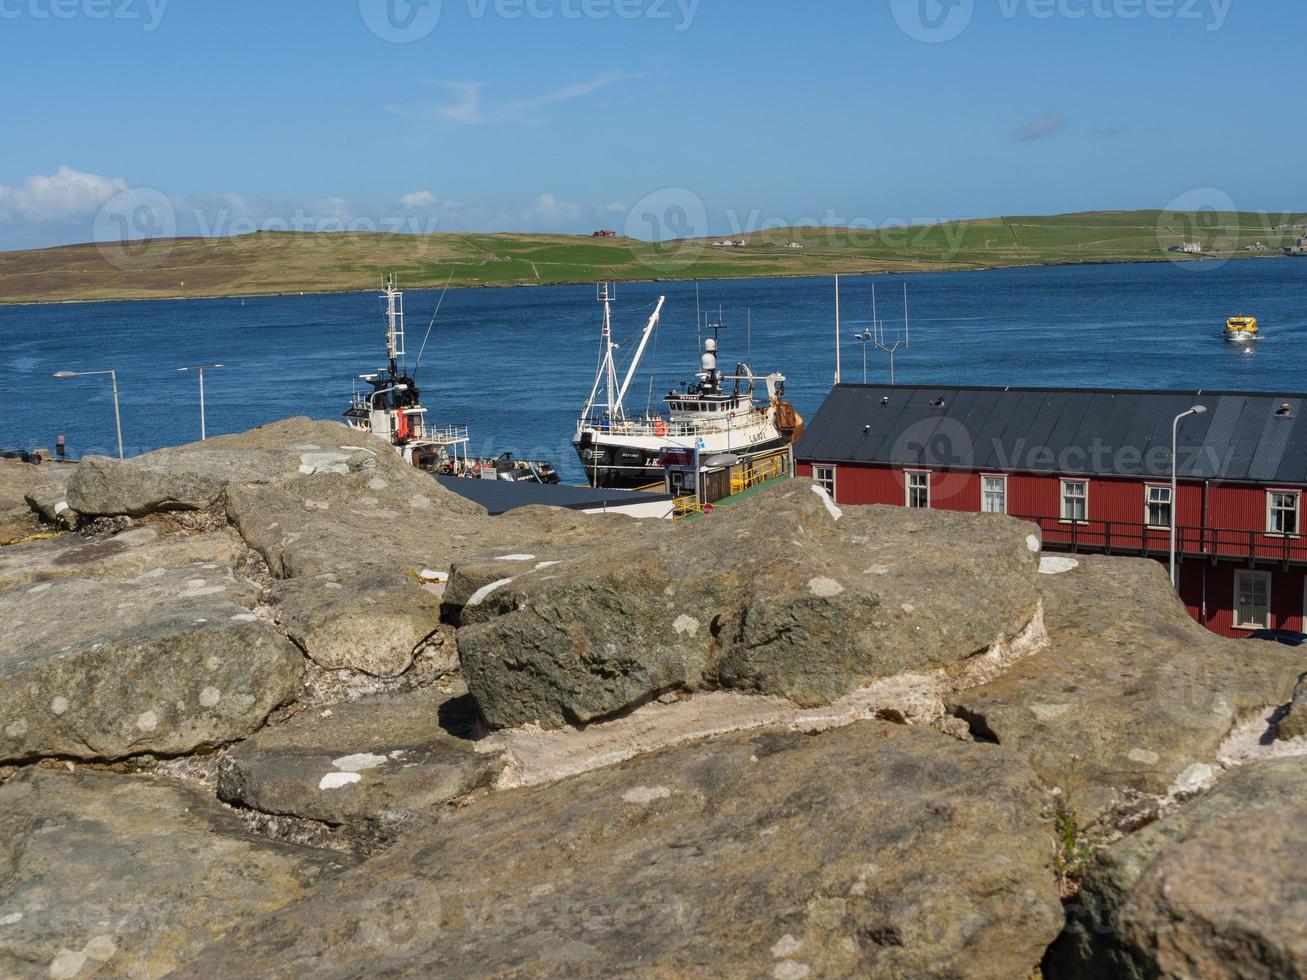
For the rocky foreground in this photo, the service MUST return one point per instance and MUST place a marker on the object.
(277, 704)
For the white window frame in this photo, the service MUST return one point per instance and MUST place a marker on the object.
(908, 488)
(832, 470)
(1062, 499)
(1002, 478)
(1148, 502)
(1271, 510)
(1236, 620)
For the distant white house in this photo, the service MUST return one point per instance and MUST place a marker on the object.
(795, 245)
(1192, 248)
(731, 243)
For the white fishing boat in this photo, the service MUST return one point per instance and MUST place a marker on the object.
(715, 414)
(393, 410)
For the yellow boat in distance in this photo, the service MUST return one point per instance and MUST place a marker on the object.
(1241, 329)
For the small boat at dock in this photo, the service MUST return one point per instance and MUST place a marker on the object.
(393, 410)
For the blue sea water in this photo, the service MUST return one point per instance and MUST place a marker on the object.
(516, 364)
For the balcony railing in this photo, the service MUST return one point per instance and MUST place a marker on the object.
(1123, 538)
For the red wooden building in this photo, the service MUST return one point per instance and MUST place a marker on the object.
(1093, 469)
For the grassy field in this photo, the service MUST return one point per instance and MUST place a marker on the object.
(279, 262)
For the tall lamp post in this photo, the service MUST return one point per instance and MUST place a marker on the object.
(117, 416)
(866, 337)
(201, 368)
(1175, 438)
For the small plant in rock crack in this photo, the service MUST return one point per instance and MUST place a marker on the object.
(1071, 852)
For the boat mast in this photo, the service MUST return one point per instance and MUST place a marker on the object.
(837, 329)
(394, 323)
(607, 372)
(639, 353)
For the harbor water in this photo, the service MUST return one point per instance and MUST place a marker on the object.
(515, 365)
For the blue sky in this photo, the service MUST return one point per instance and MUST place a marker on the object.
(711, 116)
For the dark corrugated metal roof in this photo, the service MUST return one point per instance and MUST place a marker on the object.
(501, 496)
(1082, 432)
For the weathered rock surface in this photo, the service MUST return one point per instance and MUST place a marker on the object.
(1132, 694)
(123, 555)
(1217, 889)
(17, 482)
(196, 476)
(373, 767)
(105, 875)
(372, 620)
(165, 663)
(874, 851)
(786, 596)
(1294, 723)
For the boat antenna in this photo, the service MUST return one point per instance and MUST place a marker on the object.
(698, 319)
(748, 336)
(837, 329)
(421, 350)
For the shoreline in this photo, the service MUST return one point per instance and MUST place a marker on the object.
(17, 304)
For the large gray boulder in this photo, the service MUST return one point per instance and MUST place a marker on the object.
(1217, 889)
(129, 876)
(787, 596)
(371, 620)
(875, 850)
(373, 767)
(196, 476)
(18, 481)
(166, 663)
(114, 556)
(1294, 722)
(1132, 694)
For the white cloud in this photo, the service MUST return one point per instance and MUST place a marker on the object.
(1037, 129)
(419, 199)
(469, 107)
(66, 195)
(549, 213)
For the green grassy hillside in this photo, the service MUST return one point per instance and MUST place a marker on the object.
(289, 262)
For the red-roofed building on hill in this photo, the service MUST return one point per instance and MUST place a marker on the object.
(1092, 468)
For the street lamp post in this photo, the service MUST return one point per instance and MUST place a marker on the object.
(866, 338)
(117, 416)
(1175, 438)
(201, 368)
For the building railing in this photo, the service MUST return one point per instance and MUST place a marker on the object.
(1125, 538)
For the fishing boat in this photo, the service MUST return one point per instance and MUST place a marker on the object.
(715, 414)
(1241, 329)
(392, 409)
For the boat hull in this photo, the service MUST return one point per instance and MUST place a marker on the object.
(635, 464)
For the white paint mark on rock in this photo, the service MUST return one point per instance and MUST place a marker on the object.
(908, 608)
(824, 587)
(786, 947)
(1057, 565)
(516, 558)
(1032, 542)
(359, 762)
(1194, 778)
(834, 511)
(101, 948)
(59, 705)
(40, 588)
(686, 625)
(431, 575)
(1144, 756)
(245, 617)
(315, 463)
(210, 696)
(338, 780)
(483, 593)
(646, 794)
(419, 501)
(196, 583)
(877, 570)
(66, 964)
(147, 721)
(13, 918)
(546, 564)
(17, 729)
